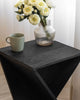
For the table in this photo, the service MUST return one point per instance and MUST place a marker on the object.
(38, 73)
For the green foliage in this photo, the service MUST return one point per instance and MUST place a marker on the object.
(43, 21)
(18, 12)
(44, 0)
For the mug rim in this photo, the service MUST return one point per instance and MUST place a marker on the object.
(12, 35)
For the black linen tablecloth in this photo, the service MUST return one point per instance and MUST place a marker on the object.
(38, 73)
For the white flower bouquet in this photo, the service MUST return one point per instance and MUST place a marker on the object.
(36, 11)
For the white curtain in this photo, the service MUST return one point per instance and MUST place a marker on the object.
(65, 21)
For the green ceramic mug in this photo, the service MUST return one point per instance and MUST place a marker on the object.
(16, 41)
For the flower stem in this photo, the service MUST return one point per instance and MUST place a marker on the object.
(43, 21)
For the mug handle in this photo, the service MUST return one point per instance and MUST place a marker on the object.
(7, 40)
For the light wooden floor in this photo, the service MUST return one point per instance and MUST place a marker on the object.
(76, 84)
(6, 95)
(4, 90)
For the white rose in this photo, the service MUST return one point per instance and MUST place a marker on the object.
(34, 19)
(28, 10)
(41, 5)
(45, 12)
(50, 3)
(18, 4)
(33, 2)
(25, 1)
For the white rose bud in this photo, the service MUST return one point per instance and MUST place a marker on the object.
(35, 11)
(22, 17)
(50, 3)
(18, 17)
(19, 10)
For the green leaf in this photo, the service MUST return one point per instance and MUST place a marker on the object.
(43, 21)
(18, 12)
(44, 0)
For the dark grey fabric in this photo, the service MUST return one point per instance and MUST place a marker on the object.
(39, 73)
